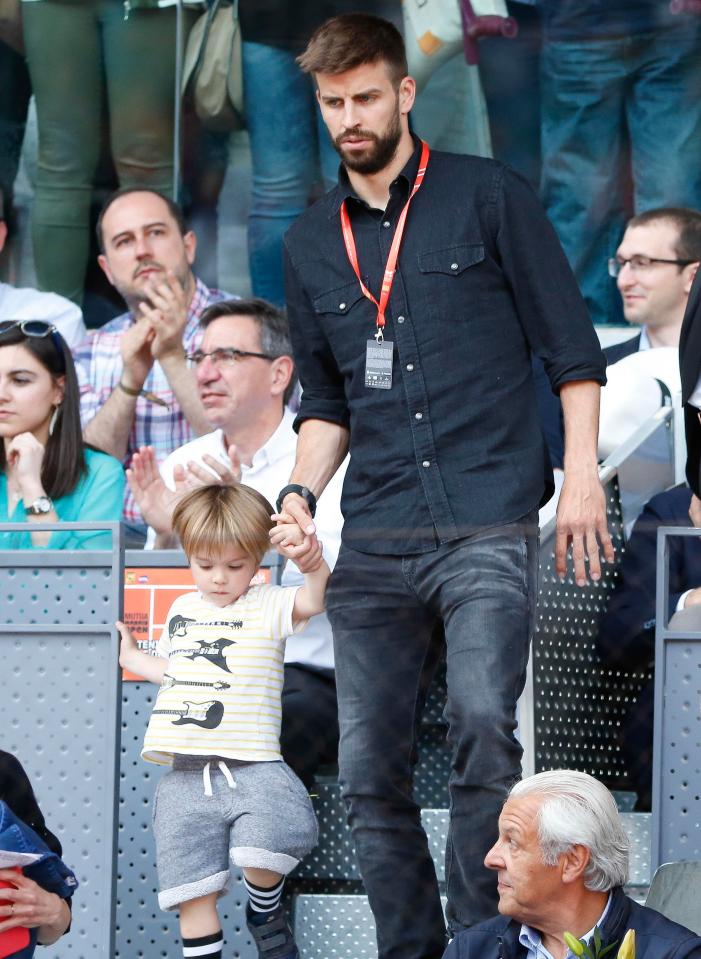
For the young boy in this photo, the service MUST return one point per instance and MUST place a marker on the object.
(217, 720)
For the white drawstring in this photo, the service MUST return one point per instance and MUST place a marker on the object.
(207, 779)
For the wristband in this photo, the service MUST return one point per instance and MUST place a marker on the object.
(151, 397)
(302, 491)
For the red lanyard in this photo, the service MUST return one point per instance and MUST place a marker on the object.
(391, 267)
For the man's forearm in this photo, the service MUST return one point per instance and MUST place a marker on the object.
(184, 385)
(580, 409)
(109, 429)
(321, 448)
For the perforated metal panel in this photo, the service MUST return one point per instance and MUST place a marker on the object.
(335, 927)
(676, 788)
(60, 715)
(578, 703)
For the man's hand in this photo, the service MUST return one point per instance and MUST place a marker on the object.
(298, 536)
(693, 598)
(153, 497)
(695, 511)
(218, 472)
(581, 521)
(137, 358)
(166, 313)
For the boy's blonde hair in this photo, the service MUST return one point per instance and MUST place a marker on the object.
(212, 519)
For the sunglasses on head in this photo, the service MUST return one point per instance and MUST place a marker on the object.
(28, 327)
(34, 329)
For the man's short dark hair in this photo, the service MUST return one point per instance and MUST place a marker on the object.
(2, 204)
(273, 328)
(352, 39)
(173, 209)
(688, 224)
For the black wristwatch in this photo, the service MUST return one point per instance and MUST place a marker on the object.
(302, 491)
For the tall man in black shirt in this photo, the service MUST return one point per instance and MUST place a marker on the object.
(424, 373)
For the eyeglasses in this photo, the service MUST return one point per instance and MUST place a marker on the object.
(639, 264)
(29, 327)
(225, 356)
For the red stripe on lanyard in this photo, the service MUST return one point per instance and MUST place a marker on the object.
(391, 267)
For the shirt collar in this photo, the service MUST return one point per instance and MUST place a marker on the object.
(531, 940)
(277, 447)
(403, 182)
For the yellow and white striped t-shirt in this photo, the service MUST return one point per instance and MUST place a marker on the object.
(220, 695)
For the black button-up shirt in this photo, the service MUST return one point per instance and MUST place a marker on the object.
(455, 445)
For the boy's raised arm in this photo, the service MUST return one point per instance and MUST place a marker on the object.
(136, 661)
(310, 598)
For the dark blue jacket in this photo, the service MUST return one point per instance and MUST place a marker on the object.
(655, 936)
(626, 635)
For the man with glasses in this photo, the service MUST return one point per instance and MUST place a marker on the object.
(136, 387)
(30, 304)
(654, 268)
(245, 378)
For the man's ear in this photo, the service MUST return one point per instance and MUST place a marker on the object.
(3, 234)
(190, 244)
(574, 862)
(688, 279)
(407, 94)
(102, 260)
(281, 370)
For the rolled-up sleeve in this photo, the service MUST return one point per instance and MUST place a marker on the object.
(548, 301)
(323, 394)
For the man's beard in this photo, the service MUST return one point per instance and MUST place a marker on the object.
(378, 155)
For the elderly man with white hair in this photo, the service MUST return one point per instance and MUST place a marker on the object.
(561, 860)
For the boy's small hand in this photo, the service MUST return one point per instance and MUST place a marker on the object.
(127, 645)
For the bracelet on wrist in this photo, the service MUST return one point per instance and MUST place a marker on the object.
(302, 491)
(147, 394)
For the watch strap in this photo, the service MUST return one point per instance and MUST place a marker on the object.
(40, 507)
(302, 491)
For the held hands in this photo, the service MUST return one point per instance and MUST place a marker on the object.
(581, 521)
(294, 536)
(25, 455)
(29, 905)
(166, 314)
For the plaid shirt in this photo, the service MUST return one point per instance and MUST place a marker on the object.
(99, 366)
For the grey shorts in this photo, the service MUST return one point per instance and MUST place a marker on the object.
(264, 820)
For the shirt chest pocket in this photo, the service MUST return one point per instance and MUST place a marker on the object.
(453, 282)
(452, 260)
(347, 319)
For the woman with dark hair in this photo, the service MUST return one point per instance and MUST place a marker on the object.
(47, 473)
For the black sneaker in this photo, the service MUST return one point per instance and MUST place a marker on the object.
(273, 937)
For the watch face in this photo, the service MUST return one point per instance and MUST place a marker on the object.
(40, 506)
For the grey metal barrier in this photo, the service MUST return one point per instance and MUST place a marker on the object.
(676, 783)
(61, 711)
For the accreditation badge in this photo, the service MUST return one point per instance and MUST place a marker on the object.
(378, 364)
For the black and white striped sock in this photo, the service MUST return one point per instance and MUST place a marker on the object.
(263, 901)
(204, 947)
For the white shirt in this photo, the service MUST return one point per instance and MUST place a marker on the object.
(29, 304)
(531, 941)
(268, 473)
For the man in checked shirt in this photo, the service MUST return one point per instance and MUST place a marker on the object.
(136, 389)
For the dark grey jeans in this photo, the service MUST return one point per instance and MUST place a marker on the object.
(383, 610)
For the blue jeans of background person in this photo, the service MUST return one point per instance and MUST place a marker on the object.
(382, 610)
(616, 110)
(289, 147)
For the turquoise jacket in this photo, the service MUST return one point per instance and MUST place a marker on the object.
(98, 496)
